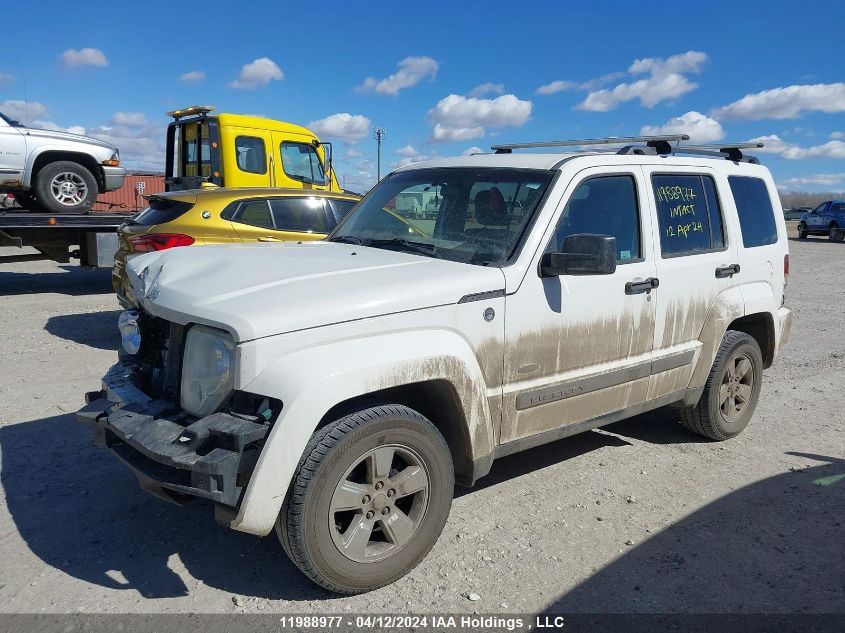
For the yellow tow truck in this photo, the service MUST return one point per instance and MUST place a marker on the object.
(236, 150)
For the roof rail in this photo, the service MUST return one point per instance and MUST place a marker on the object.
(659, 143)
(731, 151)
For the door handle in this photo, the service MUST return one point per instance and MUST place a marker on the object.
(637, 287)
(727, 271)
(269, 239)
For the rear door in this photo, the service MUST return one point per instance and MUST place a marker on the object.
(282, 219)
(694, 256)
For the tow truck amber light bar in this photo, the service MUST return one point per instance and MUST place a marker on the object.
(195, 109)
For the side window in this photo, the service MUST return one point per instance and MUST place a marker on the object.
(301, 162)
(688, 214)
(302, 215)
(754, 206)
(255, 213)
(605, 205)
(251, 155)
(342, 208)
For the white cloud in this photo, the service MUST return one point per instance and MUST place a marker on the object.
(6, 80)
(667, 79)
(408, 150)
(141, 146)
(485, 89)
(258, 74)
(84, 57)
(556, 86)
(22, 110)
(192, 76)
(700, 127)
(458, 118)
(786, 103)
(472, 150)
(837, 135)
(353, 153)
(130, 118)
(351, 128)
(773, 144)
(822, 180)
(412, 70)
(445, 134)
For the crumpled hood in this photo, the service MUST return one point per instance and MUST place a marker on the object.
(255, 291)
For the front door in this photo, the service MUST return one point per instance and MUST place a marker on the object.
(579, 347)
(696, 262)
(297, 162)
(12, 155)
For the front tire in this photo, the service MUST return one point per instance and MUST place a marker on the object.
(731, 391)
(65, 187)
(835, 234)
(369, 500)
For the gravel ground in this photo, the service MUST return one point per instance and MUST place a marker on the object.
(637, 517)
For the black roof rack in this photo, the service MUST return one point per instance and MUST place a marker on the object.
(652, 145)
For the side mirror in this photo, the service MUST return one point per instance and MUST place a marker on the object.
(583, 254)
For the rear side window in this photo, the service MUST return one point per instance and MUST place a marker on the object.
(688, 214)
(254, 213)
(250, 153)
(161, 210)
(302, 215)
(754, 206)
(837, 206)
(604, 205)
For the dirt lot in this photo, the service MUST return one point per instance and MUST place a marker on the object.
(638, 517)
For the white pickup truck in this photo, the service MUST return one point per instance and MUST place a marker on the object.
(54, 171)
(336, 390)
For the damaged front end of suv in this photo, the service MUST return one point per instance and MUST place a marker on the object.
(168, 410)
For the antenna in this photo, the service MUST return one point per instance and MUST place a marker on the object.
(379, 133)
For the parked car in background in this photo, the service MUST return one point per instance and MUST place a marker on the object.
(55, 172)
(795, 213)
(826, 219)
(226, 216)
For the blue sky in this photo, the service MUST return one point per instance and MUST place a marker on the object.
(443, 77)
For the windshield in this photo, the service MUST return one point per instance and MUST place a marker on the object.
(10, 121)
(471, 215)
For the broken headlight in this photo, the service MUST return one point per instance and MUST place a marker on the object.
(130, 334)
(207, 372)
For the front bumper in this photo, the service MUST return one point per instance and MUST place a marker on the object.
(174, 456)
(113, 177)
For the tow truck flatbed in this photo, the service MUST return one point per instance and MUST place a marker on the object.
(53, 236)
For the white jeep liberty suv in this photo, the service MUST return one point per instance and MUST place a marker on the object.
(337, 390)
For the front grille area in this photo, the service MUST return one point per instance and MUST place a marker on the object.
(160, 357)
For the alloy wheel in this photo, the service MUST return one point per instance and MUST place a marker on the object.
(737, 387)
(69, 189)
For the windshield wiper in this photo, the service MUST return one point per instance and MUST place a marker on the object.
(347, 239)
(422, 248)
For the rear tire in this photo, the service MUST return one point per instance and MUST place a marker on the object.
(835, 234)
(369, 500)
(65, 187)
(731, 391)
(802, 231)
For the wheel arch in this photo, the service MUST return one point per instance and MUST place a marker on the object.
(48, 156)
(761, 327)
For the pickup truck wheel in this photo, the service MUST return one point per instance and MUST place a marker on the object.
(65, 187)
(835, 233)
(369, 500)
(802, 231)
(731, 391)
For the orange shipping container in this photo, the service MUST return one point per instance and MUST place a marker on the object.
(130, 197)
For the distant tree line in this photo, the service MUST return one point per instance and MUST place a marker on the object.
(792, 199)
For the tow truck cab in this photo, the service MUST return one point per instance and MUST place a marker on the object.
(235, 150)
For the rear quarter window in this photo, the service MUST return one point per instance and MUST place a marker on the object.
(754, 207)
